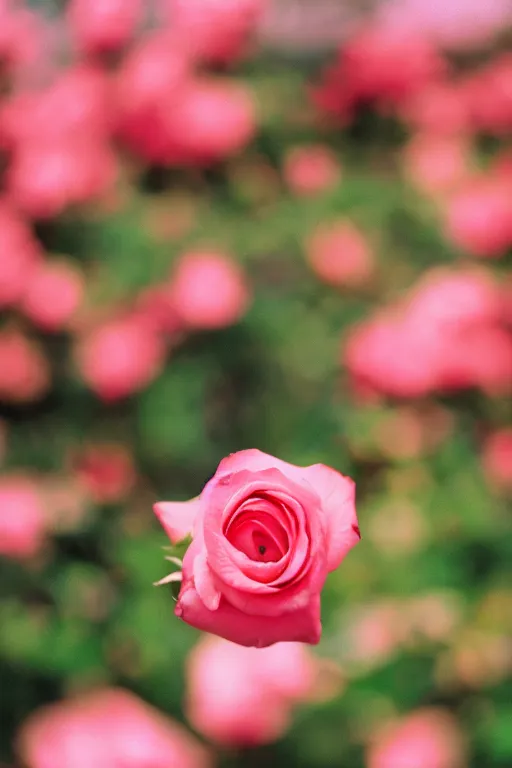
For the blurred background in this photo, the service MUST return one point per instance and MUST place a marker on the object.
(280, 224)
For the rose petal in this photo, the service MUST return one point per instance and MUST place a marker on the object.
(255, 631)
(177, 518)
(204, 582)
(337, 494)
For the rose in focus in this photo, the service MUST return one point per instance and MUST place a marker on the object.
(265, 534)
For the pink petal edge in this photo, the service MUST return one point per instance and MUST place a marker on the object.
(177, 518)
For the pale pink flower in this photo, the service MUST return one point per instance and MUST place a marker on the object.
(310, 169)
(120, 357)
(109, 727)
(340, 254)
(22, 517)
(426, 738)
(24, 373)
(53, 294)
(208, 290)
(244, 696)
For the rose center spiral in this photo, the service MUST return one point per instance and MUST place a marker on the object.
(259, 535)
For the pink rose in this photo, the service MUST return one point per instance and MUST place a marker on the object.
(244, 696)
(109, 727)
(22, 517)
(53, 294)
(120, 357)
(265, 535)
(427, 738)
(99, 27)
(310, 169)
(208, 290)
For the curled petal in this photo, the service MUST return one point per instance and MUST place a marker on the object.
(253, 631)
(177, 518)
(337, 494)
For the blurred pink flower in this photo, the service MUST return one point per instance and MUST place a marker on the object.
(22, 517)
(105, 470)
(22, 39)
(340, 254)
(310, 169)
(441, 108)
(426, 738)
(45, 178)
(120, 357)
(208, 290)
(76, 102)
(103, 26)
(459, 25)
(20, 253)
(24, 372)
(53, 294)
(215, 30)
(244, 696)
(374, 633)
(447, 334)
(489, 95)
(436, 164)
(478, 216)
(497, 458)
(109, 727)
(379, 65)
(214, 118)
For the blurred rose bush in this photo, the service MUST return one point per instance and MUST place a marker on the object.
(208, 245)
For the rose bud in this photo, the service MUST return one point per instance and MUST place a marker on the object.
(265, 534)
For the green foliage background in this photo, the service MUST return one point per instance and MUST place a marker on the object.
(87, 613)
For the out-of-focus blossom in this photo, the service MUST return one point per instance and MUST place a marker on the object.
(480, 659)
(106, 471)
(22, 518)
(120, 357)
(371, 70)
(53, 294)
(23, 39)
(340, 254)
(244, 696)
(478, 217)
(440, 108)
(213, 119)
(109, 727)
(373, 633)
(426, 738)
(24, 372)
(497, 458)
(20, 254)
(208, 290)
(103, 26)
(310, 169)
(460, 25)
(447, 335)
(147, 88)
(215, 31)
(76, 103)
(489, 95)
(436, 164)
(44, 179)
